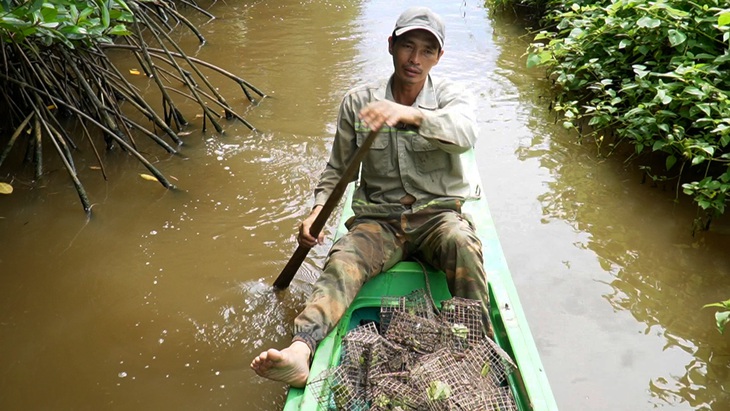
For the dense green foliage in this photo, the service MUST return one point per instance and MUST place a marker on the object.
(65, 21)
(652, 73)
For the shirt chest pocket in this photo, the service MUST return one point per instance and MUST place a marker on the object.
(427, 156)
(380, 159)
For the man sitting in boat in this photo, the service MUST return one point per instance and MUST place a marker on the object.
(408, 202)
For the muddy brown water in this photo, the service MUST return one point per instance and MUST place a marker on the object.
(161, 299)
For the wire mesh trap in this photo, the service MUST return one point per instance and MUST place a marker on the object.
(463, 318)
(421, 335)
(420, 362)
(488, 361)
(416, 303)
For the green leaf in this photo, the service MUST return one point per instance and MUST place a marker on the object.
(676, 37)
(438, 390)
(661, 95)
(671, 160)
(640, 70)
(723, 19)
(672, 11)
(104, 10)
(648, 22)
(705, 108)
(12, 21)
(576, 33)
(722, 304)
(694, 91)
(722, 318)
(85, 13)
(724, 140)
(119, 30)
(123, 5)
(460, 331)
(533, 60)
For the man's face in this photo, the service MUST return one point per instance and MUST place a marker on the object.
(414, 54)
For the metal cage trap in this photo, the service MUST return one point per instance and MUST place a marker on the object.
(419, 361)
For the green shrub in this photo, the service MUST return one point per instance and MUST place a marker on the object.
(653, 73)
(64, 21)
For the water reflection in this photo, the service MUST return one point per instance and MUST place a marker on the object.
(647, 264)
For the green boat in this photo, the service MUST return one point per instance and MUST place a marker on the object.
(529, 385)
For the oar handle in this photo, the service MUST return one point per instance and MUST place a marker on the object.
(296, 260)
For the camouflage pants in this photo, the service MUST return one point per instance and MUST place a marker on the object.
(442, 237)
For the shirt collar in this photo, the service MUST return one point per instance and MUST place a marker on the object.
(426, 98)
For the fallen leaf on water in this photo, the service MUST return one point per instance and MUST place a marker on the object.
(184, 133)
(134, 71)
(51, 107)
(148, 177)
(5, 188)
(174, 178)
(198, 115)
(95, 167)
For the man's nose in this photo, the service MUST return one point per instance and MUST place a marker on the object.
(414, 58)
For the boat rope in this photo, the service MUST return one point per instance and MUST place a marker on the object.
(428, 286)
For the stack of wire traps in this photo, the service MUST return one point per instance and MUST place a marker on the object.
(416, 360)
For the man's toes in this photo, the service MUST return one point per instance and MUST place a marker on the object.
(274, 355)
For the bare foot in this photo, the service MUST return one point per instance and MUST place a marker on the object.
(290, 365)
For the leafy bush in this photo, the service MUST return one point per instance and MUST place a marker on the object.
(64, 21)
(653, 73)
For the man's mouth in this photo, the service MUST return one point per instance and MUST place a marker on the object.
(412, 70)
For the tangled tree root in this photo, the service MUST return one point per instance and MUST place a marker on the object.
(45, 81)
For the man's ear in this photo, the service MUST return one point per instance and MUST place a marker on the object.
(390, 45)
(441, 53)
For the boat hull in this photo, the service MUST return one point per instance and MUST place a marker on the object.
(529, 384)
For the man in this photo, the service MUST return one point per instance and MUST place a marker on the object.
(411, 189)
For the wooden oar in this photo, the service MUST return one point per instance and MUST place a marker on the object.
(296, 260)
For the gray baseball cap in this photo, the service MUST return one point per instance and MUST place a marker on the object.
(421, 18)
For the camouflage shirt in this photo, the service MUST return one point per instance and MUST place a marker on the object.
(423, 161)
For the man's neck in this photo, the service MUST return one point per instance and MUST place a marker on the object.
(404, 93)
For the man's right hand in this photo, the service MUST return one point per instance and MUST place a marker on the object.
(379, 113)
(305, 238)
